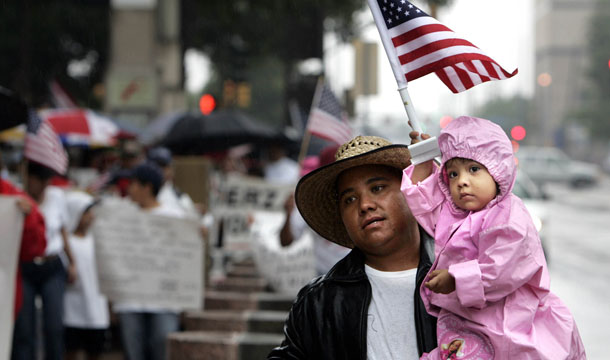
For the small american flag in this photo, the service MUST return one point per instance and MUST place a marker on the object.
(327, 118)
(43, 145)
(417, 44)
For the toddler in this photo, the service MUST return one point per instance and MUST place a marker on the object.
(86, 317)
(489, 284)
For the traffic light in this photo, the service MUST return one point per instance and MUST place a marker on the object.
(207, 104)
(244, 94)
(518, 132)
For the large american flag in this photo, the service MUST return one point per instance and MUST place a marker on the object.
(327, 119)
(43, 145)
(417, 44)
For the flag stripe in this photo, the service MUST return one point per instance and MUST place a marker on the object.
(437, 47)
(327, 118)
(445, 57)
(43, 145)
(428, 68)
(324, 125)
(415, 34)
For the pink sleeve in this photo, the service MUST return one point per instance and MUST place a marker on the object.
(424, 198)
(506, 262)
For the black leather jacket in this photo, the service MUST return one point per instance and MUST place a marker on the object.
(328, 318)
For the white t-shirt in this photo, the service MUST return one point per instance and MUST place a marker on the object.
(168, 196)
(283, 171)
(390, 321)
(54, 209)
(163, 210)
(84, 306)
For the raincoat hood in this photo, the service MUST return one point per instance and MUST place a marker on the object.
(484, 142)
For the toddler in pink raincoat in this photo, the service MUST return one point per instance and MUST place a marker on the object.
(489, 284)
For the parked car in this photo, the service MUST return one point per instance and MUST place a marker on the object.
(549, 164)
(535, 200)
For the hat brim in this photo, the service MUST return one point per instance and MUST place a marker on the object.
(316, 196)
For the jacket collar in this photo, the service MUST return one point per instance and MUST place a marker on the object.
(351, 267)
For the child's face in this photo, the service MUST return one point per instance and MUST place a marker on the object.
(471, 186)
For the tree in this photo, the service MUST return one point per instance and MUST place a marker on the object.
(595, 111)
(241, 36)
(39, 39)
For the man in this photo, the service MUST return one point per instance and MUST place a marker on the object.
(326, 253)
(280, 169)
(169, 195)
(144, 328)
(367, 306)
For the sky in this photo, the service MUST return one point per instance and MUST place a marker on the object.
(502, 29)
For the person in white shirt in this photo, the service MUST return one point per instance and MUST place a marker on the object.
(168, 194)
(144, 328)
(326, 253)
(86, 317)
(280, 169)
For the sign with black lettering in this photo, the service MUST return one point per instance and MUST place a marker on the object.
(234, 200)
(287, 269)
(148, 259)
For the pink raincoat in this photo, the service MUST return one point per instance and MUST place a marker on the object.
(502, 307)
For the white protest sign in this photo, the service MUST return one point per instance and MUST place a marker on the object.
(148, 259)
(11, 223)
(287, 269)
(234, 200)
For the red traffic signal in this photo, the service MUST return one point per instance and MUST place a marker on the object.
(207, 104)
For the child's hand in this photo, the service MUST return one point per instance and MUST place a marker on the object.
(441, 282)
(414, 134)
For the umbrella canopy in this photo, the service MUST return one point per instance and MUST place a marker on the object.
(82, 127)
(194, 133)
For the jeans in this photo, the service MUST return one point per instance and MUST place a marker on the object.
(49, 281)
(144, 333)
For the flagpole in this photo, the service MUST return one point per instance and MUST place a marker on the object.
(423, 150)
(307, 134)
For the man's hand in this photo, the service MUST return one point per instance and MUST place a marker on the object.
(289, 204)
(24, 205)
(441, 282)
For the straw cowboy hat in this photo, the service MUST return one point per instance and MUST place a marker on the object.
(316, 196)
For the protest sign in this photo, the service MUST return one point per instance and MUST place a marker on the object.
(289, 268)
(148, 259)
(234, 200)
(11, 223)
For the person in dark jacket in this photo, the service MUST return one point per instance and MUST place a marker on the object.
(368, 305)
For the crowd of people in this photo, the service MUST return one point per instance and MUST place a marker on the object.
(426, 261)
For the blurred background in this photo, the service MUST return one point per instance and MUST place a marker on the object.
(151, 72)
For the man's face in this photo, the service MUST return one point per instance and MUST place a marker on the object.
(373, 210)
(137, 192)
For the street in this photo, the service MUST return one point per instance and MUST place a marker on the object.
(578, 253)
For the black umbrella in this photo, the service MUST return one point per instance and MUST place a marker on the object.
(194, 133)
(13, 111)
